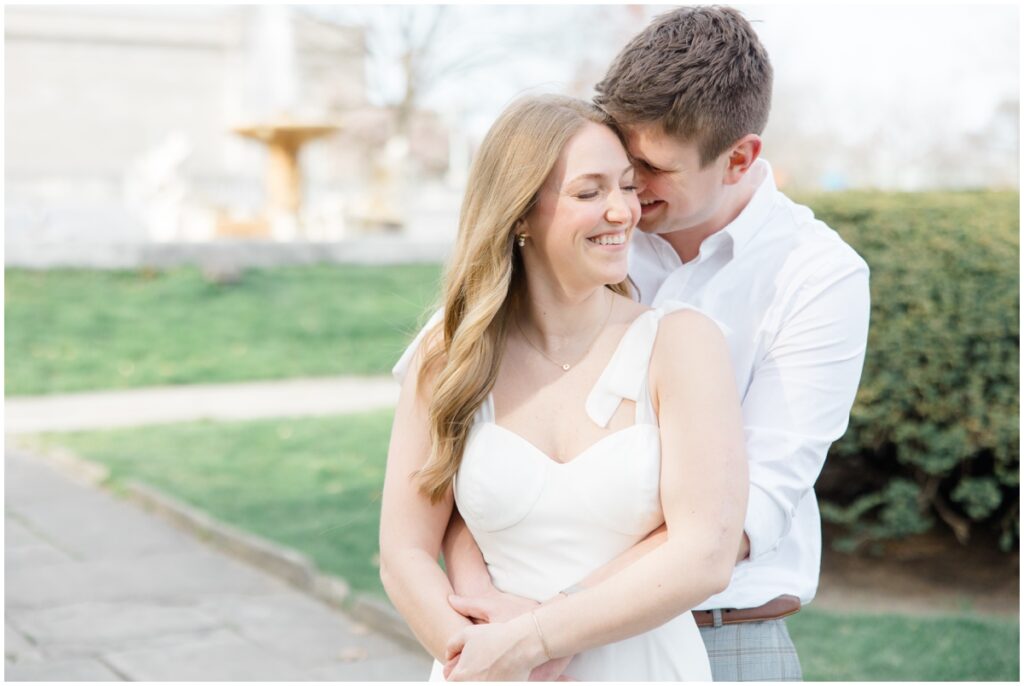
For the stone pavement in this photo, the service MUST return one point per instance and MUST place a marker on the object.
(98, 590)
(225, 402)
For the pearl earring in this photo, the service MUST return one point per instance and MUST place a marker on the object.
(521, 239)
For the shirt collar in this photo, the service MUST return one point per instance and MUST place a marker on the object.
(743, 227)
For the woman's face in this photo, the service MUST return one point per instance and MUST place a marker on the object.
(585, 213)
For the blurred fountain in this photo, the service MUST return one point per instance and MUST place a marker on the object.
(280, 123)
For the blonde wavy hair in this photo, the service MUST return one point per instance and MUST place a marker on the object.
(484, 279)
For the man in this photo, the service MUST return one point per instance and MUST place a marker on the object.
(691, 94)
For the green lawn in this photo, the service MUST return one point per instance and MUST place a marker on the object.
(314, 485)
(74, 330)
(859, 647)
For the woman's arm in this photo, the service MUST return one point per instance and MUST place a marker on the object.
(703, 492)
(411, 527)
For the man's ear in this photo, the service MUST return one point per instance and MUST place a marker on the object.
(743, 154)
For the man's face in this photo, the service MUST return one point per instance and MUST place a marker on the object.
(676, 193)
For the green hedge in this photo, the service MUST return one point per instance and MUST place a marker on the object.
(934, 433)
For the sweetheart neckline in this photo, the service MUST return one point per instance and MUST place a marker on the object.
(547, 458)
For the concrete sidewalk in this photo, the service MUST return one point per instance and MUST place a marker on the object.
(308, 397)
(97, 589)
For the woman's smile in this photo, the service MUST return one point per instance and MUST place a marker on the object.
(610, 240)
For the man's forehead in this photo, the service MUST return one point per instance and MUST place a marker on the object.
(649, 141)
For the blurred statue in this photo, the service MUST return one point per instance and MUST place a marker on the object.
(156, 188)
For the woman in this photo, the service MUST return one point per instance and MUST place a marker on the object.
(535, 406)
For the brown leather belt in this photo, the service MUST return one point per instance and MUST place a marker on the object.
(783, 606)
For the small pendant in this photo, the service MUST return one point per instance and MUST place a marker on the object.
(565, 367)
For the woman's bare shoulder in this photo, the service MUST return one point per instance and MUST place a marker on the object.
(690, 323)
(427, 360)
(686, 339)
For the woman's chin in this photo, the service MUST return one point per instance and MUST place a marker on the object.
(614, 276)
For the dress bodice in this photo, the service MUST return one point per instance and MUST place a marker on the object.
(543, 525)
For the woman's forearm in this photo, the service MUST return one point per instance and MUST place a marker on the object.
(661, 585)
(649, 543)
(664, 582)
(652, 541)
(419, 590)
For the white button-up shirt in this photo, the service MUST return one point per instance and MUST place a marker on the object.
(792, 299)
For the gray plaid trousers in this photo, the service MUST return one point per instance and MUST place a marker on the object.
(752, 651)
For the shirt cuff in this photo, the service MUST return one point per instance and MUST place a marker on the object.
(765, 524)
(401, 367)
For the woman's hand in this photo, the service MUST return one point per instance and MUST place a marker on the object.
(505, 651)
(498, 606)
(549, 671)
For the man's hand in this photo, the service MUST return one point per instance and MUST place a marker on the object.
(744, 552)
(492, 607)
(551, 670)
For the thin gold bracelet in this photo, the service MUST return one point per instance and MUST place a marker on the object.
(540, 635)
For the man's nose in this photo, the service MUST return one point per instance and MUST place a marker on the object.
(640, 179)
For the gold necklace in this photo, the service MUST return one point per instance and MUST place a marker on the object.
(565, 365)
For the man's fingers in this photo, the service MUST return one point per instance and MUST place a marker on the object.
(551, 670)
(449, 666)
(454, 646)
(468, 607)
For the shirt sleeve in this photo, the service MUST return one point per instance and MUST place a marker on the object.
(401, 367)
(800, 395)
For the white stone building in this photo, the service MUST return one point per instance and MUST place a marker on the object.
(118, 120)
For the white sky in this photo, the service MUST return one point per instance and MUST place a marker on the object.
(943, 66)
(902, 82)
(953, 63)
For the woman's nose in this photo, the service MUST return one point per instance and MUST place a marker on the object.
(618, 211)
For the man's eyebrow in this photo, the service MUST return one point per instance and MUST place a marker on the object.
(597, 176)
(647, 163)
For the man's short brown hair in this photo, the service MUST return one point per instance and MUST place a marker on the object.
(699, 72)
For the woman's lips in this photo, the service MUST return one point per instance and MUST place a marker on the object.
(610, 241)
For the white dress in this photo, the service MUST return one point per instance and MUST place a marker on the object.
(543, 525)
